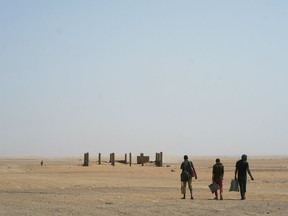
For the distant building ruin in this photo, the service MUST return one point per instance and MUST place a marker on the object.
(142, 159)
(159, 159)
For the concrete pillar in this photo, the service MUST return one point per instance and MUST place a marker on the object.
(86, 159)
(112, 159)
(130, 158)
(141, 158)
(161, 159)
(99, 158)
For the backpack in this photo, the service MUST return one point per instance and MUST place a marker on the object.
(185, 175)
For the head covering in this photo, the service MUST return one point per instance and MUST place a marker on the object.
(185, 157)
(244, 157)
(217, 160)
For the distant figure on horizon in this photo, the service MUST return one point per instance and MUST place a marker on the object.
(242, 167)
(41, 163)
(188, 171)
(217, 177)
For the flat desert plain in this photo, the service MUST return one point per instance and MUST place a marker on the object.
(62, 186)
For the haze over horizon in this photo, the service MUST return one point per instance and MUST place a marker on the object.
(182, 77)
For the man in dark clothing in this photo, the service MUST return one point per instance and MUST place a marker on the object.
(189, 167)
(242, 167)
(217, 177)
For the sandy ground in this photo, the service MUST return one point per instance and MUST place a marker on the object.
(64, 187)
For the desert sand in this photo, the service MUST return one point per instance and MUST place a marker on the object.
(62, 186)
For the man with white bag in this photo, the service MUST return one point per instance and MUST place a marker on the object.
(242, 167)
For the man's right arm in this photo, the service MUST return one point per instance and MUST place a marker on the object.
(213, 171)
(236, 170)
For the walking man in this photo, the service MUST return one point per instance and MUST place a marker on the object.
(242, 167)
(217, 177)
(187, 166)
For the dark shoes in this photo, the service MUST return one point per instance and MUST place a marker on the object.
(216, 198)
(185, 198)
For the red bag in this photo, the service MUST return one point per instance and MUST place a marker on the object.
(193, 174)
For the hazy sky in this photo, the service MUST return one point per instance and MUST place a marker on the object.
(182, 77)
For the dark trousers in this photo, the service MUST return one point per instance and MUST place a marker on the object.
(242, 185)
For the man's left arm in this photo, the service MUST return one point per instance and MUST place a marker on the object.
(249, 172)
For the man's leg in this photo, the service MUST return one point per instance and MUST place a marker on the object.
(220, 183)
(216, 195)
(184, 189)
(242, 188)
(190, 186)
